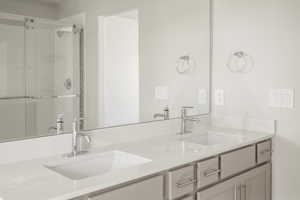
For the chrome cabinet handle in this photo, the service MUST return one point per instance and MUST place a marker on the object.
(265, 151)
(245, 191)
(211, 172)
(185, 183)
(235, 191)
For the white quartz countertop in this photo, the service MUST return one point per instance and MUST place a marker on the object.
(32, 180)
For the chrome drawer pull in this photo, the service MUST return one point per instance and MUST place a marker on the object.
(245, 191)
(236, 188)
(265, 151)
(186, 183)
(211, 172)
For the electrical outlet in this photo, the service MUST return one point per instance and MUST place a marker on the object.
(219, 97)
(162, 93)
(202, 97)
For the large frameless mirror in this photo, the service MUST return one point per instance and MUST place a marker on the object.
(110, 62)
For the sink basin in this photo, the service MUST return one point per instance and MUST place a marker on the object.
(211, 139)
(97, 164)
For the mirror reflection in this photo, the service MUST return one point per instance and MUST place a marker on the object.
(109, 62)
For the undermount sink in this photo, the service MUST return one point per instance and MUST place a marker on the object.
(97, 164)
(211, 139)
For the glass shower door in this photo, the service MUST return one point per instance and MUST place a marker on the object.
(39, 76)
(12, 78)
(52, 65)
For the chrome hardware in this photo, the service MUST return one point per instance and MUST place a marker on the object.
(29, 23)
(68, 84)
(14, 98)
(185, 119)
(211, 172)
(236, 188)
(186, 182)
(59, 123)
(165, 115)
(59, 128)
(244, 187)
(55, 96)
(75, 136)
(265, 151)
(40, 97)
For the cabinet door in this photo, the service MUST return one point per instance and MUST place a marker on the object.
(257, 184)
(228, 190)
(151, 189)
(188, 198)
(252, 185)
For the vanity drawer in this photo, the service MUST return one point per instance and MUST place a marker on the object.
(237, 161)
(264, 151)
(180, 182)
(207, 172)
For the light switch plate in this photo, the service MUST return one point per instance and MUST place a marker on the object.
(281, 98)
(202, 97)
(162, 92)
(219, 97)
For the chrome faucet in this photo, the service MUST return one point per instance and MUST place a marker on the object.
(75, 138)
(165, 115)
(185, 119)
(59, 128)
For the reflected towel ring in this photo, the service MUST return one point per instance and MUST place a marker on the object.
(240, 62)
(185, 64)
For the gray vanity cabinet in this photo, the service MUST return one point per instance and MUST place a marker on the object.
(252, 185)
(256, 184)
(150, 189)
(241, 174)
(227, 190)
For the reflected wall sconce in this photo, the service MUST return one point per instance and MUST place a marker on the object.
(185, 64)
(240, 62)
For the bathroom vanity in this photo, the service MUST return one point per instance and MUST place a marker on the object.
(217, 164)
(238, 174)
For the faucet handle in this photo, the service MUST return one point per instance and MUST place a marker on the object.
(184, 110)
(78, 119)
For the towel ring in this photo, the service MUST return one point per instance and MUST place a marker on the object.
(240, 62)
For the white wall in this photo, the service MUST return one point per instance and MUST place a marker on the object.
(268, 31)
(171, 29)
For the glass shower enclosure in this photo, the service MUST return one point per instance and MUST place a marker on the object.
(39, 76)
